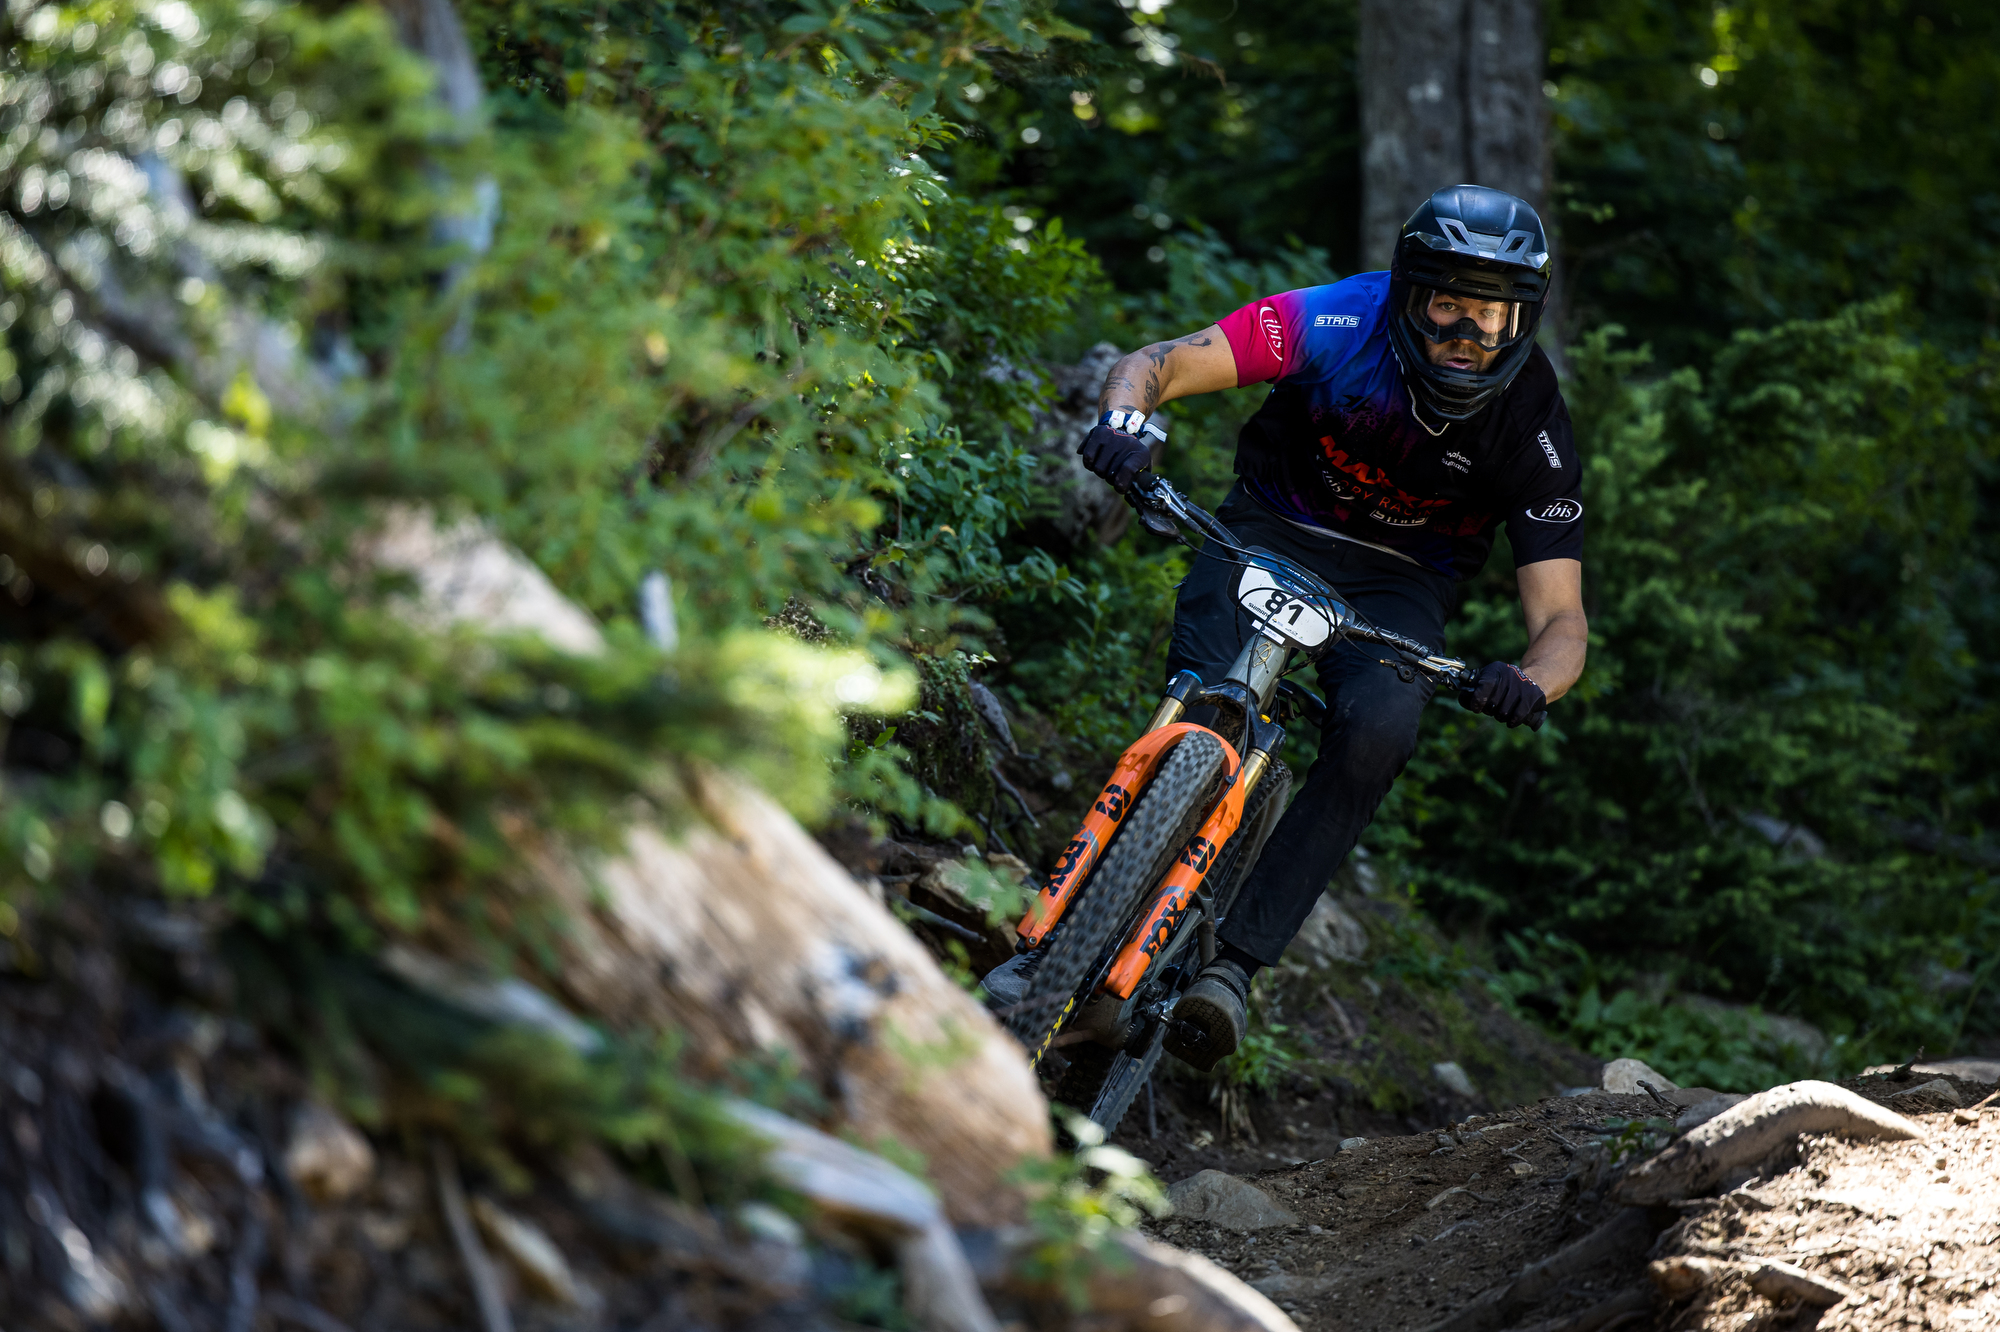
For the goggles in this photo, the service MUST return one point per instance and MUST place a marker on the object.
(1447, 316)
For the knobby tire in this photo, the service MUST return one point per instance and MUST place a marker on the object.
(1164, 816)
(1103, 1082)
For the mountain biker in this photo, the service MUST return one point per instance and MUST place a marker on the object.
(1410, 413)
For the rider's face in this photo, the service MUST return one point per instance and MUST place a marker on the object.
(1446, 309)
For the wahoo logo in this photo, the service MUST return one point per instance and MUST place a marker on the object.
(1274, 331)
(1557, 511)
(1337, 321)
(1459, 461)
(1549, 449)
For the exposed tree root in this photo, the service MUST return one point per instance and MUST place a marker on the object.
(1745, 1136)
(1630, 1230)
(1625, 1308)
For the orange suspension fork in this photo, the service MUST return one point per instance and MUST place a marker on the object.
(1134, 769)
(1156, 929)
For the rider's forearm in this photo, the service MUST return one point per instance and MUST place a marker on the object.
(1201, 362)
(1554, 659)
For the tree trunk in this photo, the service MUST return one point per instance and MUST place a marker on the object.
(1451, 94)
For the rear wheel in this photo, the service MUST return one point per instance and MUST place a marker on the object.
(1164, 816)
(1261, 813)
(1103, 1083)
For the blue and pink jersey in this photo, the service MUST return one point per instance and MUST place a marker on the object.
(1338, 447)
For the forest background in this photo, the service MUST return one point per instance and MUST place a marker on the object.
(763, 296)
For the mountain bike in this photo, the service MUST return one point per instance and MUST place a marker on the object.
(1128, 915)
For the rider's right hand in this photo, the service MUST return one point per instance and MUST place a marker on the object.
(1115, 455)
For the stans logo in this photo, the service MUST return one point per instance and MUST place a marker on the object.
(1274, 331)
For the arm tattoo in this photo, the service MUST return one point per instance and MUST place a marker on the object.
(1116, 386)
(1157, 353)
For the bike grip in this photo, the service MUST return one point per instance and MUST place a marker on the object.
(1536, 719)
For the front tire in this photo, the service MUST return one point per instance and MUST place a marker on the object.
(1165, 815)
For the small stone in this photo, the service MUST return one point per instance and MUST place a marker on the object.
(1353, 1144)
(1226, 1201)
(327, 1158)
(1623, 1076)
(1454, 1079)
(544, 1270)
(1703, 1111)
(1779, 1281)
(1935, 1094)
(1521, 1168)
(1679, 1277)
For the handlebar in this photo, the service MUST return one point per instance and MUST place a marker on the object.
(1163, 509)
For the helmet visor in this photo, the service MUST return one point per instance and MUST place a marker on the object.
(1447, 316)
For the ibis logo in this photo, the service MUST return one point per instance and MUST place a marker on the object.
(1274, 331)
(1557, 511)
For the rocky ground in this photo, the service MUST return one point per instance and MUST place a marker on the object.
(1511, 1220)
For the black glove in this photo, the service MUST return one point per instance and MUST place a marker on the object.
(1502, 691)
(1115, 455)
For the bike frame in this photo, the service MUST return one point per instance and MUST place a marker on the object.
(1246, 690)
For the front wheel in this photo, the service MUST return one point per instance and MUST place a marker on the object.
(1165, 814)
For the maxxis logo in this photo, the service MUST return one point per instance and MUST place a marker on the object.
(1556, 511)
(1274, 331)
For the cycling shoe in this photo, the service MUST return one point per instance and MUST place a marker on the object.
(1209, 1021)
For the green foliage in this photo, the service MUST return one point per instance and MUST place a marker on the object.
(1077, 1202)
(1739, 164)
(1724, 1050)
(1783, 585)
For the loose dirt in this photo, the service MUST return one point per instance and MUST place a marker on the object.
(1408, 1232)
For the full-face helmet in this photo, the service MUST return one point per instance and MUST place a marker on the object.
(1472, 265)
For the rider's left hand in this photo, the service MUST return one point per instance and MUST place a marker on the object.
(1505, 692)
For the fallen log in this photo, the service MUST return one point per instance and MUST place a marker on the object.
(1746, 1135)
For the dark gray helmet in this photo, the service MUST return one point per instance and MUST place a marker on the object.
(1472, 265)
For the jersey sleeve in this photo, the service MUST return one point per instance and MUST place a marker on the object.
(1545, 515)
(1265, 338)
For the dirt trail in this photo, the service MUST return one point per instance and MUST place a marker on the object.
(1408, 1232)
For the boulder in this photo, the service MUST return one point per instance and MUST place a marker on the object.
(1330, 934)
(742, 935)
(1228, 1202)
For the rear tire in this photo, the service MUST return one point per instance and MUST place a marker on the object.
(1103, 1083)
(1240, 853)
(1165, 815)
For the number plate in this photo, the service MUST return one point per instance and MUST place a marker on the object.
(1283, 617)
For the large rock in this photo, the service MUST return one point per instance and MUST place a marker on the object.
(741, 935)
(1226, 1201)
(1330, 934)
(1083, 504)
(1147, 1286)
